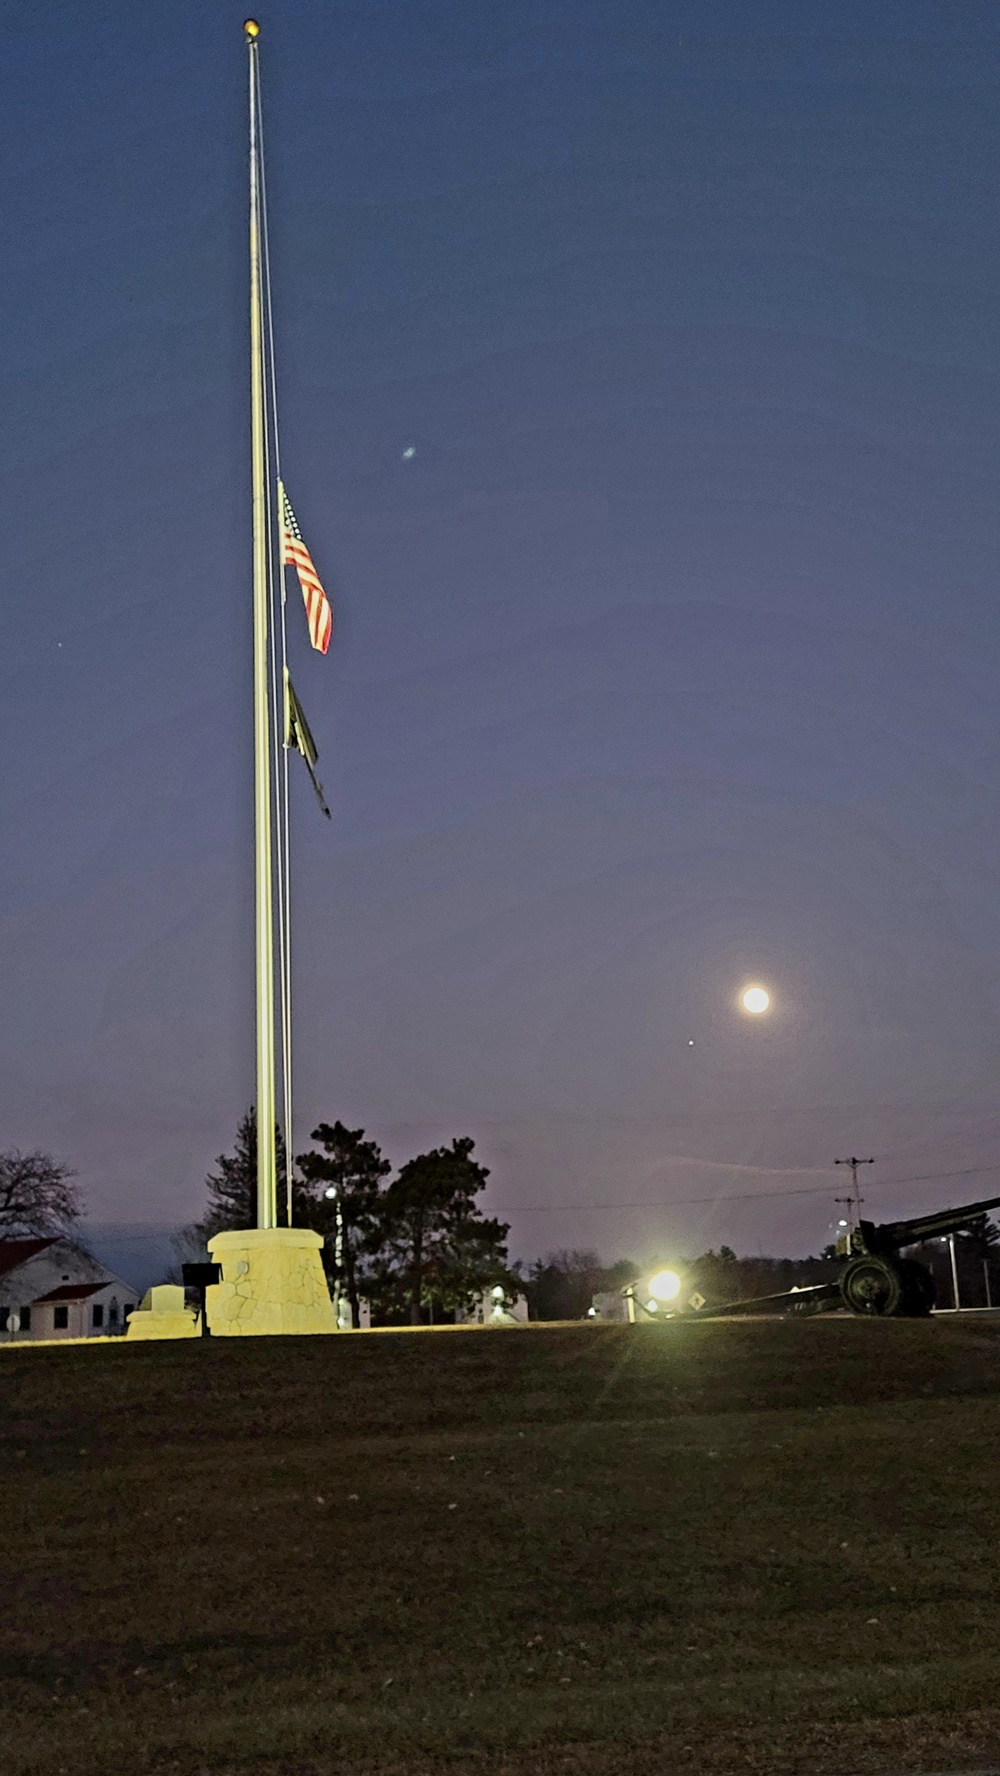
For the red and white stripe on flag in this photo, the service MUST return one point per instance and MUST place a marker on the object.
(294, 553)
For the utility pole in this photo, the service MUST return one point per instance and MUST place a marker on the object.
(855, 1200)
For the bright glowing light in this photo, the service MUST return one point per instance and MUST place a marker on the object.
(652, 1306)
(498, 1292)
(756, 1000)
(665, 1285)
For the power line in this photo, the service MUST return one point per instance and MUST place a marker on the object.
(678, 1202)
(682, 1202)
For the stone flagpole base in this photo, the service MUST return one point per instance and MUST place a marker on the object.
(272, 1282)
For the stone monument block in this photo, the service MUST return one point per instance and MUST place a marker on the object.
(162, 1314)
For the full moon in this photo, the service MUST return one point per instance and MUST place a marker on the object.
(756, 1000)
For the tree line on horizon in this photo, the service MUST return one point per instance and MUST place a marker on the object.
(418, 1247)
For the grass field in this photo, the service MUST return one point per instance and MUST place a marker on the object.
(767, 1547)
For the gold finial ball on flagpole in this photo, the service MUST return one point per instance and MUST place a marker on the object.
(252, 29)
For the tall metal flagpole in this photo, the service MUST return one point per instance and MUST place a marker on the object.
(279, 672)
(267, 1215)
(269, 1279)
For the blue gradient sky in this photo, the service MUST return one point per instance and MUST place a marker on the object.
(669, 658)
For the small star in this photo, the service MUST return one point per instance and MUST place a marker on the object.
(410, 451)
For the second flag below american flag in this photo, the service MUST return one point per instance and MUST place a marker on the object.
(295, 554)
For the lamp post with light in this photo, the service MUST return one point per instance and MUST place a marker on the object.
(661, 1292)
(332, 1194)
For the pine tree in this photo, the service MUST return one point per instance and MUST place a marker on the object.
(232, 1188)
(439, 1251)
(355, 1169)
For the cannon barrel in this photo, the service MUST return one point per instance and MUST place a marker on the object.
(815, 1295)
(892, 1236)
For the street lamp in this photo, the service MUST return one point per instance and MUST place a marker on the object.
(662, 1290)
(665, 1286)
(332, 1194)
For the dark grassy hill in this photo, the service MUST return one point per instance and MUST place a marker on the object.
(766, 1547)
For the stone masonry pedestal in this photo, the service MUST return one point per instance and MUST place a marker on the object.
(272, 1283)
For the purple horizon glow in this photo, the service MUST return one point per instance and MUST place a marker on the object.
(639, 407)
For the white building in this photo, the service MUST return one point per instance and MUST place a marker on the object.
(52, 1288)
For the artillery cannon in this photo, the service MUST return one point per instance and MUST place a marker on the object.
(876, 1278)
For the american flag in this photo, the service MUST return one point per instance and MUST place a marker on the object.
(293, 551)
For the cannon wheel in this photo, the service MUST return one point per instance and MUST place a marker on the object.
(872, 1286)
(918, 1288)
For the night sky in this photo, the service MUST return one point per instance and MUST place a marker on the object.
(639, 405)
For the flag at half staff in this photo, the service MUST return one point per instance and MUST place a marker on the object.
(294, 553)
(298, 734)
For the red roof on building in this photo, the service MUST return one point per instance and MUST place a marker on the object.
(15, 1252)
(70, 1292)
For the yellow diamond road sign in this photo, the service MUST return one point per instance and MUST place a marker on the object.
(696, 1301)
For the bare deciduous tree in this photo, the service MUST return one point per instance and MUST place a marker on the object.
(37, 1195)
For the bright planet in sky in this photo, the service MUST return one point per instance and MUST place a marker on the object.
(756, 1000)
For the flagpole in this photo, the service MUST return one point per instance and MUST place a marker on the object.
(271, 1277)
(279, 695)
(263, 867)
